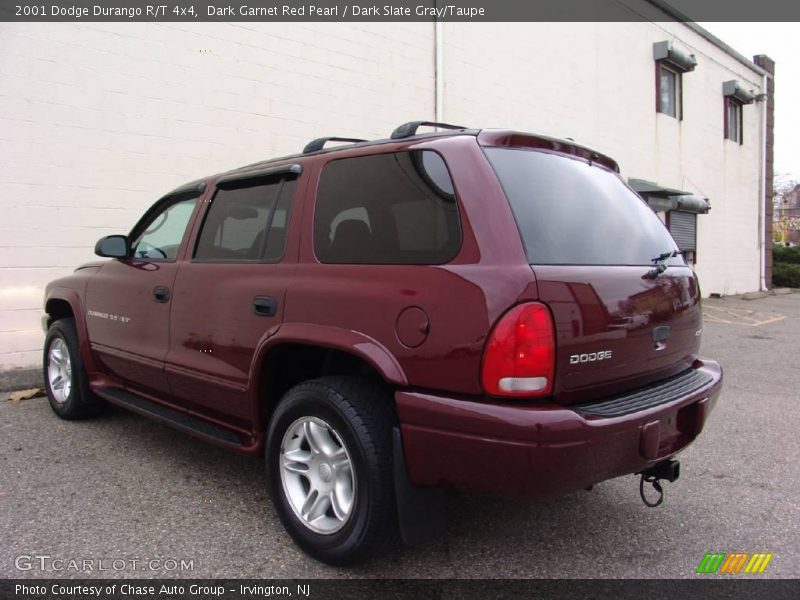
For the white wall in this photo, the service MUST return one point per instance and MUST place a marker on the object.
(98, 120)
(595, 82)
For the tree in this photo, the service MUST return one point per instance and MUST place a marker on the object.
(783, 183)
(786, 214)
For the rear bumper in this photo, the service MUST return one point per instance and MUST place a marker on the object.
(542, 450)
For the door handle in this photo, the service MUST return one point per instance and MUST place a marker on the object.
(265, 306)
(161, 293)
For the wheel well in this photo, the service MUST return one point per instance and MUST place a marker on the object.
(290, 364)
(57, 309)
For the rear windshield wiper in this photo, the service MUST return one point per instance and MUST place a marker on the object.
(660, 262)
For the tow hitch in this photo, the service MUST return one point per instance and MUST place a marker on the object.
(669, 470)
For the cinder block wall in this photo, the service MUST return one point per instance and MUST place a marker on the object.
(97, 120)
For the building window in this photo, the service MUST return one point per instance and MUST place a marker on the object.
(669, 91)
(671, 63)
(735, 98)
(733, 120)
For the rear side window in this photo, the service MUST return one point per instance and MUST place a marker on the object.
(395, 208)
(572, 213)
(247, 222)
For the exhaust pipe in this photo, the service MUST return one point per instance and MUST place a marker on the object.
(668, 470)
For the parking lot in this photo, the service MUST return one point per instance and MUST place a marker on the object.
(123, 488)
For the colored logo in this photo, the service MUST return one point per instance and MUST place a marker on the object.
(722, 563)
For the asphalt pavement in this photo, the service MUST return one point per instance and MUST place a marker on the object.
(121, 492)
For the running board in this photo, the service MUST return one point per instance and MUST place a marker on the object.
(175, 418)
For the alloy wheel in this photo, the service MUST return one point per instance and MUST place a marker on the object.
(59, 370)
(317, 475)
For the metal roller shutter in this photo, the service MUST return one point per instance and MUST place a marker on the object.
(683, 227)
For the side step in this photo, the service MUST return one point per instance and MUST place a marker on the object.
(179, 420)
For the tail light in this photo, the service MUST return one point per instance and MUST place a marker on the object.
(519, 358)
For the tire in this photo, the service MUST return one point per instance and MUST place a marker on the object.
(346, 419)
(64, 377)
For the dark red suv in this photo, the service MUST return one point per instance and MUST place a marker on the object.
(485, 310)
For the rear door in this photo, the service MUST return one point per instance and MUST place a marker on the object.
(626, 312)
(229, 293)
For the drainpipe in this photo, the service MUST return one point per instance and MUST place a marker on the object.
(767, 166)
(438, 70)
(762, 220)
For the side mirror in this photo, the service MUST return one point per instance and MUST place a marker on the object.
(113, 246)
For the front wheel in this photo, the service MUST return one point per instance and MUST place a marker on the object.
(64, 378)
(329, 461)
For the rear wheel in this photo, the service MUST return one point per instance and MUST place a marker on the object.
(329, 461)
(64, 378)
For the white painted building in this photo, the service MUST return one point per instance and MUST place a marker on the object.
(98, 120)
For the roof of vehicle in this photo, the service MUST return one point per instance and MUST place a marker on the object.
(364, 144)
(486, 137)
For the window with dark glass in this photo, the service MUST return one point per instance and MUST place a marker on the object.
(672, 62)
(736, 96)
(395, 208)
(669, 93)
(572, 212)
(733, 120)
(247, 222)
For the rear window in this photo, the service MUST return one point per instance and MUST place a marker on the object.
(572, 213)
(395, 208)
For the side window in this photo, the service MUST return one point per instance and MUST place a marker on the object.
(387, 209)
(669, 93)
(671, 63)
(733, 120)
(247, 222)
(164, 231)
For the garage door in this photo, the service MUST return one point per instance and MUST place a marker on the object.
(683, 227)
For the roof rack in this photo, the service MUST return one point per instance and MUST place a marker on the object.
(408, 129)
(319, 143)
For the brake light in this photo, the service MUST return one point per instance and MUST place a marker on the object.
(520, 356)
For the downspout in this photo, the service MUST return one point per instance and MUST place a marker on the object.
(762, 219)
(438, 70)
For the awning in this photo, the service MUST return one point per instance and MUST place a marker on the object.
(665, 199)
(734, 89)
(675, 57)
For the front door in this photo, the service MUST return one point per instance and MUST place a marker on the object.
(128, 301)
(229, 294)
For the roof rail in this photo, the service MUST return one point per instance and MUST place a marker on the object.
(408, 129)
(319, 143)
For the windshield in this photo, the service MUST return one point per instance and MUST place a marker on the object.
(572, 213)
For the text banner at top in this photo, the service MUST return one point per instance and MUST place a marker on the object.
(401, 10)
